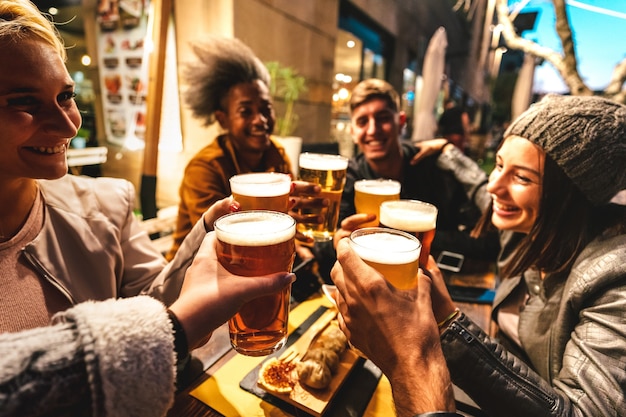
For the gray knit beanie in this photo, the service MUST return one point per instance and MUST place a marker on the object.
(585, 136)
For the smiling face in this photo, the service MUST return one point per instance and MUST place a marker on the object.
(38, 113)
(515, 184)
(376, 128)
(248, 116)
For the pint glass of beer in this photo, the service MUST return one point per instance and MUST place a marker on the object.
(329, 171)
(411, 216)
(262, 191)
(369, 194)
(393, 253)
(254, 243)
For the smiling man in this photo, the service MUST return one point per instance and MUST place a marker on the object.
(376, 122)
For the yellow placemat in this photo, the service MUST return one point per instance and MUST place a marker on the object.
(221, 391)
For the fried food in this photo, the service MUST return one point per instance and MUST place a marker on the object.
(277, 376)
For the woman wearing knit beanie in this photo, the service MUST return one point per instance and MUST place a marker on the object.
(561, 304)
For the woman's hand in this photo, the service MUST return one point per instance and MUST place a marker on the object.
(211, 295)
(441, 300)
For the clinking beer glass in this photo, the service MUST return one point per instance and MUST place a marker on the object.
(329, 171)
(254, 243)
(393, 253)
(370, 194)
(412, 216)
(262, 191)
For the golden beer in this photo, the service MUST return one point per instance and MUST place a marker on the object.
(254, 243)
(370, 194)
(262, 191)
(329, 171)
(412, 216)
(393, 253)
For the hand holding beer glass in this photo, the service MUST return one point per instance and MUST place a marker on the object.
(369, 194)
(412, 216)
(393, 253)
(262, 191)
(329, 172)
(255, 243)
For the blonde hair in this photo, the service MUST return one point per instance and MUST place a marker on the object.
(374, 88)
(21, 19)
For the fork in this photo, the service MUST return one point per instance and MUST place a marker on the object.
(298, 349)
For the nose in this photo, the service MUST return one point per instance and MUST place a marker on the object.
(62, 121)
(260, 118)
(495, 184)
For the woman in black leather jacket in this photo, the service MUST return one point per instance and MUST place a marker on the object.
(561, 306)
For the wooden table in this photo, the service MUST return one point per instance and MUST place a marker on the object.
(202, 366)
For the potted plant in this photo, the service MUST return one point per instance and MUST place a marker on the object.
(286, 86)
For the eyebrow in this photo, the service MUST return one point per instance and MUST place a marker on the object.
(522, 167)
(525, 168)
(20, 90)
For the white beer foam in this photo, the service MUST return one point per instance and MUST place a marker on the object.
(408, 220)
(386, 248)
(262, 184)
(323, 162)
(255, 228)
(377, 187)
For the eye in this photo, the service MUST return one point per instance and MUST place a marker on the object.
(384, 118)
(245, 112)
(69, 95)
(360, 122)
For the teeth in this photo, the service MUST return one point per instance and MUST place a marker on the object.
(504, 207)
(51, 150)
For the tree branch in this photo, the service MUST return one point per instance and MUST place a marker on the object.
(564, 64)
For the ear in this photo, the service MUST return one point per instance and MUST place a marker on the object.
(221, 118)
(401, 119)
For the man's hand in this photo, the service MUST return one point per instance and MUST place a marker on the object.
(427, 148)
(350, 224)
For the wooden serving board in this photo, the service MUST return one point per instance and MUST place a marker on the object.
(315, 401)
(348, 394)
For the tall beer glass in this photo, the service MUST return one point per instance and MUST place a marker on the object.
(253, 243)
(393, 253)
(329, 171)
(412, 216)
(262, 191)
(369, 194)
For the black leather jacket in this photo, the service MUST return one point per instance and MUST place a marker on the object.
(573, 333)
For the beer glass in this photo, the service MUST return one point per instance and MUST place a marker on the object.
(254, 243)
(369, 194)
(262, 191)
(412, 216)
(329, 171)
(393, 253)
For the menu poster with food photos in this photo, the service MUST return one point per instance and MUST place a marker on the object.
(121, 31)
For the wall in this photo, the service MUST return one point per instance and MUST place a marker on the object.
(297, 33)
(300, 34)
